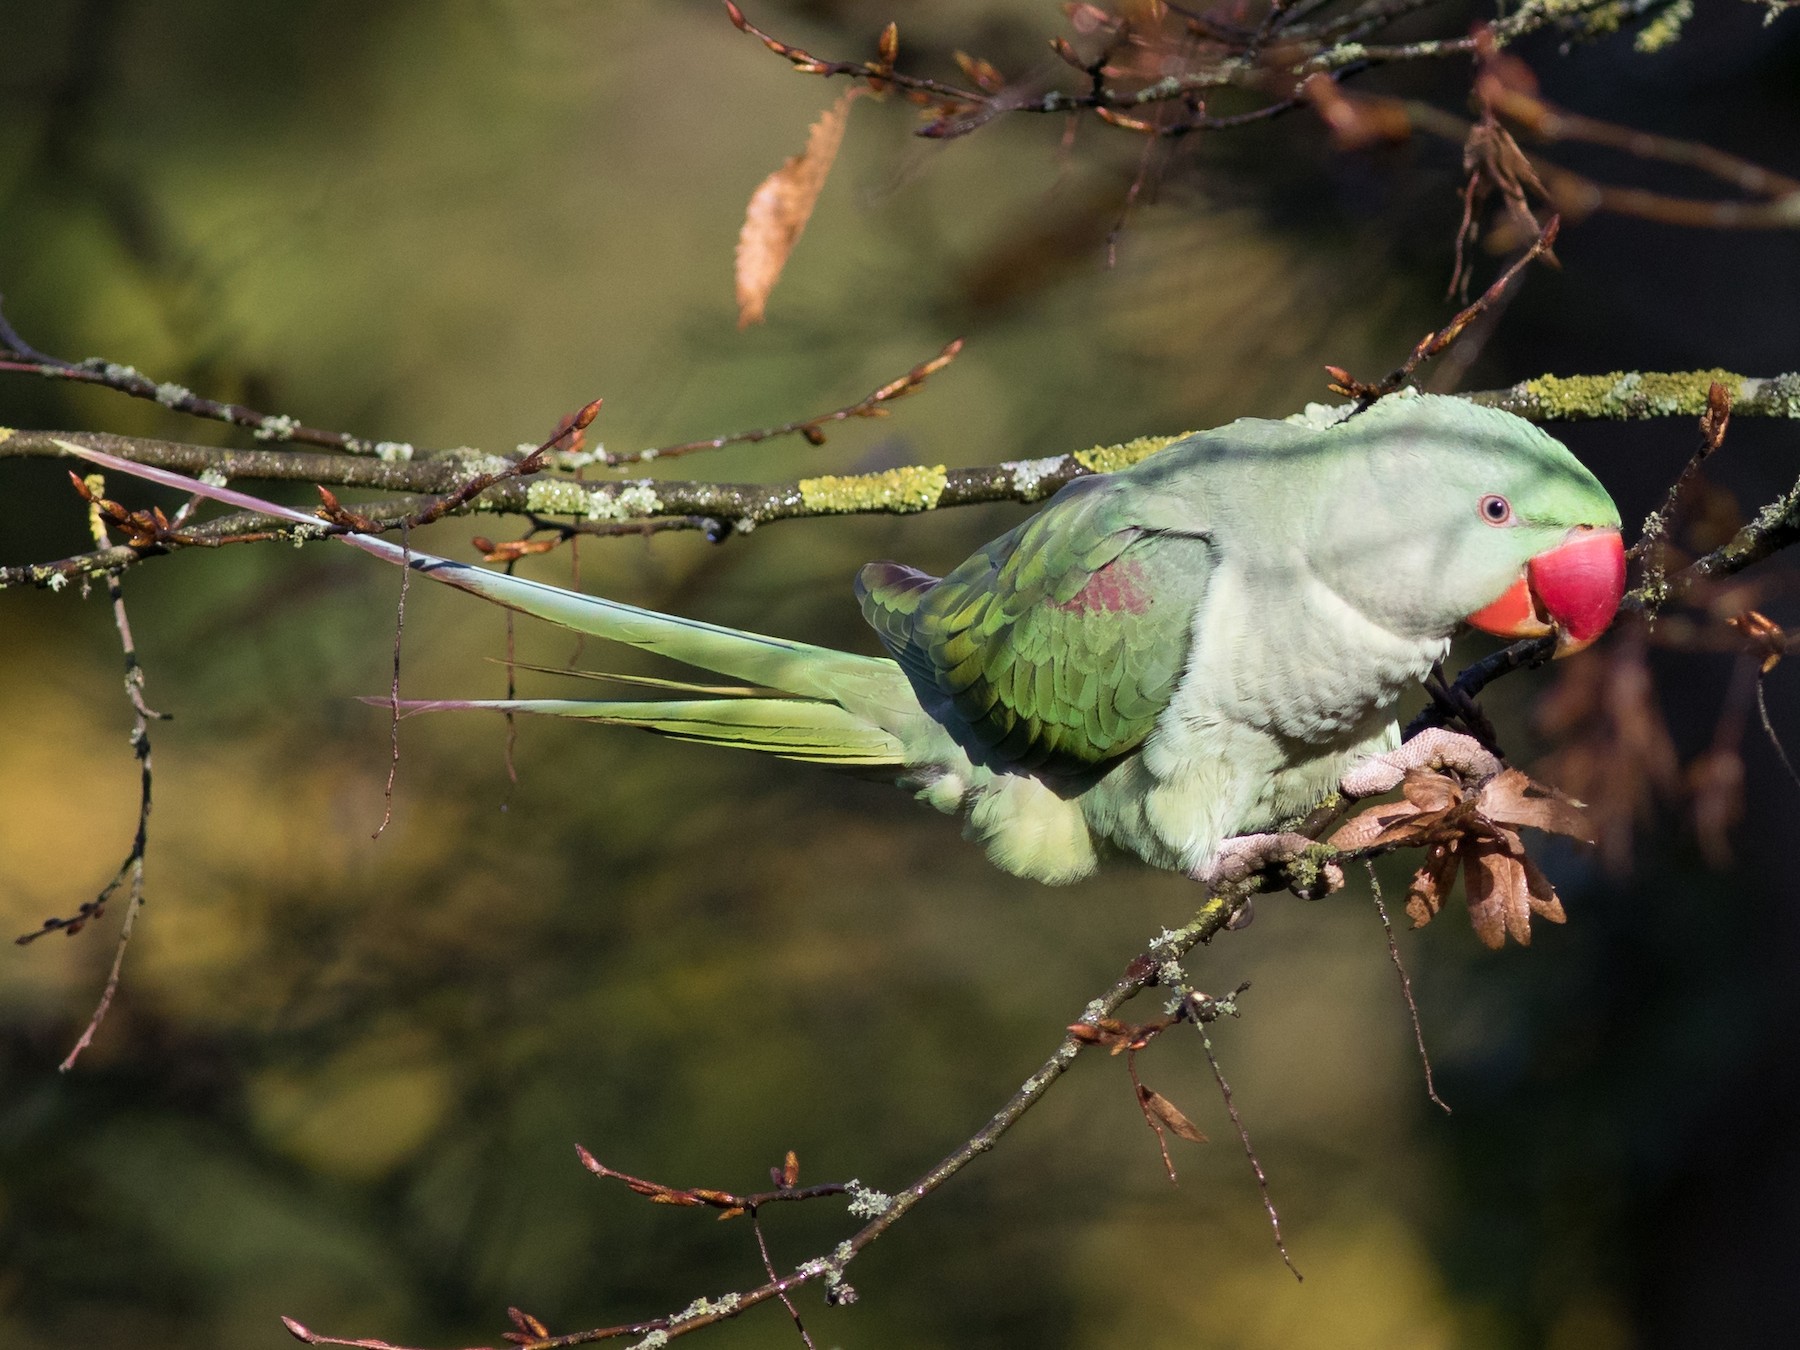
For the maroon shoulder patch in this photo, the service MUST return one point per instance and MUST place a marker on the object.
(1117, 588)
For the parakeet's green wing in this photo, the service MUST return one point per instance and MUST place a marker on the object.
(1061, 641)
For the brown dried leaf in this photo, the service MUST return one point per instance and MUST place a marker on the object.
(1498, 907)
(1170, 1115)
(1510, 798)
(1431, 885)
(1430, 800)
(780, 207)
(1504, 889)
(1117, 1036)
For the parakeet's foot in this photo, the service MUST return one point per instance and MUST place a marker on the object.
(1247, 854)
(1433, 748)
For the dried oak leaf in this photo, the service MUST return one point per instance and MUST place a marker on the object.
(1474, 830)
(780, 207)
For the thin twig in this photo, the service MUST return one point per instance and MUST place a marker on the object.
(811, 428)
(1433, 343)
(762, 1247)
(19, 357)
(1713, 424)
(387, 793)
(131, 871)
(1762, 708)
(1142, 1095)
(1412, 1007)
(1200, 1019)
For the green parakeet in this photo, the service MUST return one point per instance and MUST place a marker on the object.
(1161, 659)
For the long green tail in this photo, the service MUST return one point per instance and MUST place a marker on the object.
(794, 728)
(840, 708)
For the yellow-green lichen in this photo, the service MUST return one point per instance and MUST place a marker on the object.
(1582, 16)
(1619, 395)
(1665, 28)
(913, 488)
(6, 434)
(1112, 458)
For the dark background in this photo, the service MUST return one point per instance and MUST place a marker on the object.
(344, 1078)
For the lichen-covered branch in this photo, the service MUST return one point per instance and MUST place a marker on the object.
(723, 508)
(1636, 395)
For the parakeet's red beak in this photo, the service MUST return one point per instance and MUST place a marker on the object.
(1572, 590)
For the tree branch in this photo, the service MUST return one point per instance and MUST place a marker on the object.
(723, 508)
(1144, 971)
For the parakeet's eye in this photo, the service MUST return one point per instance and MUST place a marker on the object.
(1496, 510)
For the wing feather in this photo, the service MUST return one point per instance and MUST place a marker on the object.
(1061, 641)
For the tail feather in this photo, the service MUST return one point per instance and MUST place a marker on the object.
(849, 709)
(792, 728)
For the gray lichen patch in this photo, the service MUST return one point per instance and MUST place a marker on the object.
(623, 501)
(1028, 475)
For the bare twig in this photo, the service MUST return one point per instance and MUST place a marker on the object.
(387, 792)
(1412, 1007)
(1762, 709)
(811, 429)
(1433, 343)
(18, 357)
(1713, 423)
(1202, 1010)
(719, 509)
(131, 872)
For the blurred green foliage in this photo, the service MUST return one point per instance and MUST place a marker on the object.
(345, 1076)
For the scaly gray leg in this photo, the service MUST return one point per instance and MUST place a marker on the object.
(1247, 854)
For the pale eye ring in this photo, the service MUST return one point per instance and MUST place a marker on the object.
(1496, 510)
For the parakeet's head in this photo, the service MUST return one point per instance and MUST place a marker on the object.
(1493, 521)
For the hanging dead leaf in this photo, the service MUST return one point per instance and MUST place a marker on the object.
(780, 207)
(1165, 1111)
